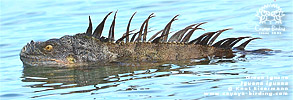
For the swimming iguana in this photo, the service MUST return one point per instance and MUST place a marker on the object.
(91, 47)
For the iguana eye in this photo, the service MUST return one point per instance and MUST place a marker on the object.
(48, 47)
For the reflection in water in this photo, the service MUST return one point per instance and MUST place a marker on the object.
(55, 78)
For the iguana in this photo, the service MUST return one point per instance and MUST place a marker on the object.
(91, 47)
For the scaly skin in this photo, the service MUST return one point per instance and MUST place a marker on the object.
(81, 49)
(90, 47)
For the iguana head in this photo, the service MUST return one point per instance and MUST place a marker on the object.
(50, 52)
(68, 50)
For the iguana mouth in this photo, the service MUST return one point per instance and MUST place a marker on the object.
(39, 60)
(91, 46)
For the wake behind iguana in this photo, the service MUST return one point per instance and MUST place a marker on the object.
(91, 47)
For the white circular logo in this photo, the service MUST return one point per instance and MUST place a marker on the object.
(270, 13)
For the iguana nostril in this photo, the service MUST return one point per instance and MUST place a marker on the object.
(23, 49)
